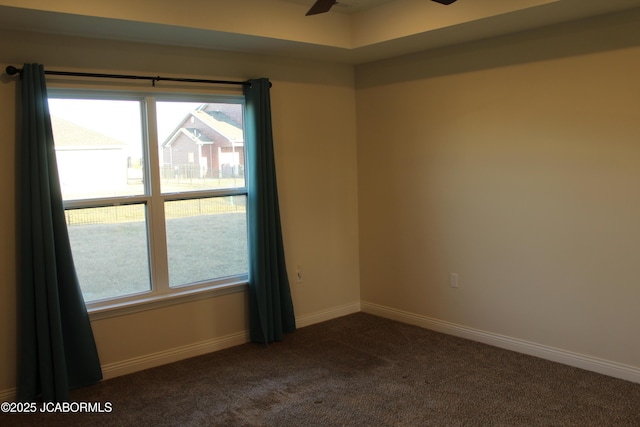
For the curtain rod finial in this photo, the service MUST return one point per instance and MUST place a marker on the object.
(11, 70)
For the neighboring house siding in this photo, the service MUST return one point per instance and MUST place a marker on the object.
(88, 161)
(181, 152)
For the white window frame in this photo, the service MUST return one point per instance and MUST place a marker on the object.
(160, 294)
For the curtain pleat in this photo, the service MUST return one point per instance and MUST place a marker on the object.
(57, 350)
(270, 305)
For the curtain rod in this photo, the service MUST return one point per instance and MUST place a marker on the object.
(11, 70)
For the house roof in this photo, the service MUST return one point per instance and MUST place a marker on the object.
(77, 137)
(223, 127)
(196, 136)
(218, 122)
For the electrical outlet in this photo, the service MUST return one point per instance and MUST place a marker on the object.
(453, 280)
(299, 275)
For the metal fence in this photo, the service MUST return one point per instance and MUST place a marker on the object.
(193, 171)
(173, 209)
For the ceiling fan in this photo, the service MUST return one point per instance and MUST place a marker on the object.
(322, 6)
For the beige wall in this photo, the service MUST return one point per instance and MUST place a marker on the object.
(313, 108)
(515, 163)
(512, 161)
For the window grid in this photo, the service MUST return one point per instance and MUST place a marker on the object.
(154, 201)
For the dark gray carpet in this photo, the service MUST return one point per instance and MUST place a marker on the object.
(358, 370)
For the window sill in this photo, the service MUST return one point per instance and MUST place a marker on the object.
(159, 301)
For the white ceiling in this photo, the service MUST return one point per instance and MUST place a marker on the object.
(370, 31)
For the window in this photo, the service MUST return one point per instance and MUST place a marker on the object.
(154, 192)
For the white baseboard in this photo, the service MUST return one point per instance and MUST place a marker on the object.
(124, 367)
(613, 369)
(8, 395)
(135, 364)
(594, 364)
(112, 370)
(147, 361)
(324, 315)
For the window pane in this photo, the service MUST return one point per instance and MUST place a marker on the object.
(201, 146)
(206, 239)
(110, 250)
(98, 147)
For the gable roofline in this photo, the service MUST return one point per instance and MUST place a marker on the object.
(78, 137)
(230, 132)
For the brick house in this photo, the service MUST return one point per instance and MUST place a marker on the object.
(208, 143)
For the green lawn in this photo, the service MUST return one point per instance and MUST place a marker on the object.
(112, 259)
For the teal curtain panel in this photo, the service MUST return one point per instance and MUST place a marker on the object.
(270, 306)
(57, 350)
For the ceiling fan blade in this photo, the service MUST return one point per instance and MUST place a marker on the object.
(321, 6)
